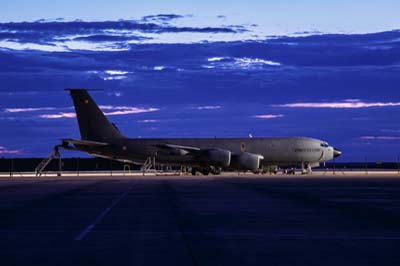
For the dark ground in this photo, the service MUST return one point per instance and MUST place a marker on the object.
(200, 221)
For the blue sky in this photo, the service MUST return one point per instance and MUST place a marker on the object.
(215, 68)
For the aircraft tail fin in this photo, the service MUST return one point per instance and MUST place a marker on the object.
(93, 124)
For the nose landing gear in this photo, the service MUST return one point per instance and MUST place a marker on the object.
(306, 168)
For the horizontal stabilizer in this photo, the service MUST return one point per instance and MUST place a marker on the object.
(85, 142)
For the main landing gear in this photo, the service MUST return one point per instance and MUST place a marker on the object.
(206, 170)
(305, 170)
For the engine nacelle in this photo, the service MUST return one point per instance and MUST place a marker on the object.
(246, 161)
(214, 157)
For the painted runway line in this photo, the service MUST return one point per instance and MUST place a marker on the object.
(98, 219)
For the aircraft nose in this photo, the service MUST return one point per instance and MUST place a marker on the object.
(336, 153)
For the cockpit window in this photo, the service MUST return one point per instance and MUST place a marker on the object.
(324, 144)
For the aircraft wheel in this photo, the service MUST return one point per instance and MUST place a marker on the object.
(216, 171)
(206, 171)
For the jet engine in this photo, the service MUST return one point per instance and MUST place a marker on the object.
(246, 161)
(214, 157)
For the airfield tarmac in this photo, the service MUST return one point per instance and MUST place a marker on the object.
(323, 219)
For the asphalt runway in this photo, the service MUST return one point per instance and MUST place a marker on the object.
(197, 220)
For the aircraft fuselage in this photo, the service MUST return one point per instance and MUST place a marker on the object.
(276, 151)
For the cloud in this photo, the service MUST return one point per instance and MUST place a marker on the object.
(108, 110)
(58, 115)
(22, 110)
(159, 68)
(149, 121)
(269, 116)
(346, 104)
(4, 150)
(110, 38)
(208, 66)
(68, 28)
(115, 94)
(114, 78)
(117, 35)
(162, 17)
(126, 110)
(239, 63)
(380, 137)
(391, 130)
(209, 107)
(96, 35)
(116, 72)
(131, 110)
(216, 59)
(111, 74)
(246, 62)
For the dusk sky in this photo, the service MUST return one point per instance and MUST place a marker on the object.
(322, 69)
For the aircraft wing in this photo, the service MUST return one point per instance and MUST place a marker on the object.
(84, 142)
(174, 149)
(174, 146)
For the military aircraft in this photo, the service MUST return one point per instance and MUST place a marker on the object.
(101, 138)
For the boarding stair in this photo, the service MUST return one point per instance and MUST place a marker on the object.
(43, 164)
(148, 164)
